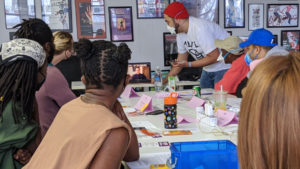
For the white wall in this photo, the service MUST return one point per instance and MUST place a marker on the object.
(148, 33)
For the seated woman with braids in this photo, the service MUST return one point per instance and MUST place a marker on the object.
(92, 131)
(23, 68)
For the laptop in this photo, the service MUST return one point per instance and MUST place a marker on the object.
(139, 72)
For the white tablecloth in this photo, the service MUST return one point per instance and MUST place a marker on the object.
(151, 152)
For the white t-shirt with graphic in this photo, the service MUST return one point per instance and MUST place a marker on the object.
(199, 41)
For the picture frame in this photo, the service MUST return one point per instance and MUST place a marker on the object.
(282, 15)
(205, 9)
(57, 14)
(121, 24)
(170, 48)
(234, 13)
(290, 40)
(151, 9)
(16, 12)
(255, 16)
(275, 39)
(90, 18)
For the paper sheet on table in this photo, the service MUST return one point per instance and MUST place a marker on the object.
(146, 124)
(165, 94)
(144, 104)
(226, 118)
(162, 95)
(185, 119)
(147, 159)
(195, 102)
(129, 92)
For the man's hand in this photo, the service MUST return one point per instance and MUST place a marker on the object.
(180, 63)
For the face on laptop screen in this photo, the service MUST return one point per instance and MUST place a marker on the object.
(139, 72)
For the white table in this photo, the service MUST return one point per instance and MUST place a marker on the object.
(78, 85)
(150, 152)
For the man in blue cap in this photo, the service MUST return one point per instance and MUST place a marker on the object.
(260, 45)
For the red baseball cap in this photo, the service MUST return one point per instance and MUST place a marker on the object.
(176, 10)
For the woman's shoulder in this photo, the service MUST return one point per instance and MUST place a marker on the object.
(90, 113)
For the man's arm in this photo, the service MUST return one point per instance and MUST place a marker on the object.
(209, 59)
(176, 68)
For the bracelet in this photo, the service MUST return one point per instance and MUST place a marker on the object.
(190, 64)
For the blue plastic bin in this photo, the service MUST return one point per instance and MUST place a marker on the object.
(220, 154)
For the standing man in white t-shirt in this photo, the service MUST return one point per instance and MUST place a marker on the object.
(196, 36)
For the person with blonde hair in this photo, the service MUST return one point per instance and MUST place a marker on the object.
(269, 126)
(63, 46)
(55, 92)
(65, 58)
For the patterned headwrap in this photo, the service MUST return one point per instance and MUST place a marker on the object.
(22, 49)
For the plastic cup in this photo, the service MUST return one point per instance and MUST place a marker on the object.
(220, 99)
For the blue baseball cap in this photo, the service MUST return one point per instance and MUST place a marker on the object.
(261, 37)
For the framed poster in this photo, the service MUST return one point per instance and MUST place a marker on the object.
(206, 9)
(256, 16)
(121, 26)
(275, 39)
(234, 12)
(282, 15)
(148, 9)
(90, 18)
(57, 14)
(170, 48)
(16, 10)
(290, 40)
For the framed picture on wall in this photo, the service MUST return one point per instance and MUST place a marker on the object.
(16, 10)
(121, 26)
(290, 40)
(256, 16)
(151, 9)
(206, 9)
(282, 15)
(275, 39)
(90, 17)
(170, 48)
(57, 14)
(234, 12)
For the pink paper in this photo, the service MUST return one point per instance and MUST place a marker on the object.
(185, 119)
(129, 92)
(195, 102)
(144, 100)
(226, 118)
(162, 95)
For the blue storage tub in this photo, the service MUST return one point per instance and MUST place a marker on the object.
(220, 154)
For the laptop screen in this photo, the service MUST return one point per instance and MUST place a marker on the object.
(139, 72)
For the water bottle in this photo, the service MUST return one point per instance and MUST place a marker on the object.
(157, 79)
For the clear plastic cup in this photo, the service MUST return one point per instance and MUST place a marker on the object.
(220, 99)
